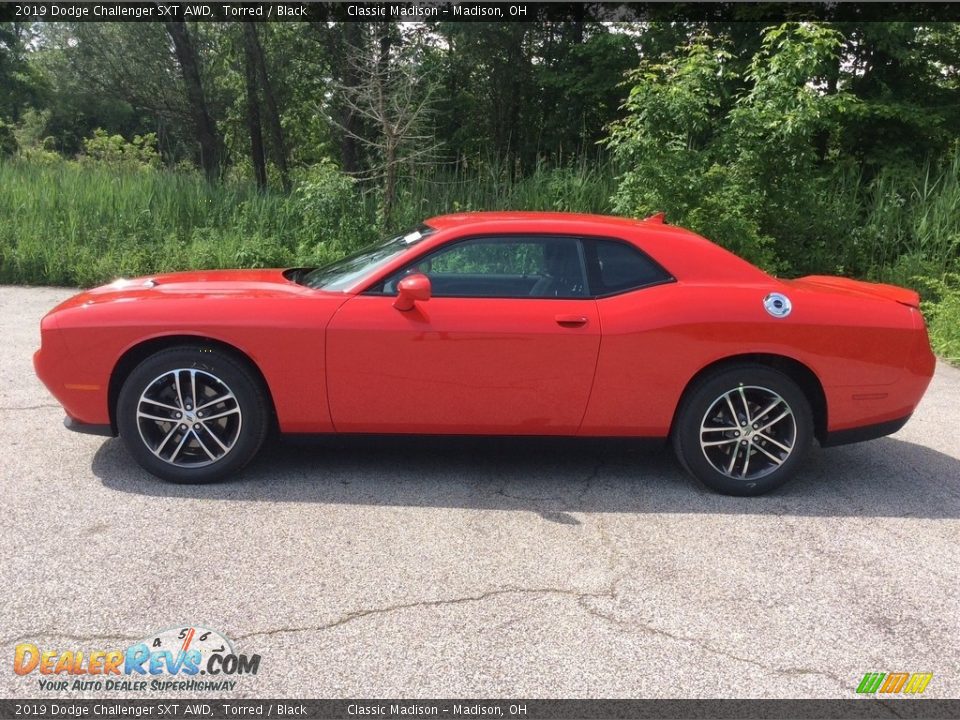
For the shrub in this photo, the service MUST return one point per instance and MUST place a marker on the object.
(332, 215)
(743, 170)
(115, 150)
(8, 141)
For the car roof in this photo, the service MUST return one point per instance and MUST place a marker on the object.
(442, 222)
(572, 222)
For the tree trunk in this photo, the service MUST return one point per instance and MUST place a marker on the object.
(208, 137)
(390, 185)
(349, 155)
(342, 41)
(253, 113)
(273, 114)
(517, 147)
(389, 132)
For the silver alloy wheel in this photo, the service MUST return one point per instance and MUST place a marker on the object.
(189, 418)
(748, 432)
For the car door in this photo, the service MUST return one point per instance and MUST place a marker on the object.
(507, 344)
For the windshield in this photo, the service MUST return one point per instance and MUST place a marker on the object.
(345, 272)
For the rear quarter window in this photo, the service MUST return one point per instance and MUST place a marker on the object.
(618, 267)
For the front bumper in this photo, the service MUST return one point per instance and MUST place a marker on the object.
(88, 428)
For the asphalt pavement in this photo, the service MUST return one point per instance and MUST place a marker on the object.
(483, 568)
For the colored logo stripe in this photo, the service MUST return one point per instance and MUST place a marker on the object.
(871, 682)
(914, 683)
(918, 682)
(894, 682)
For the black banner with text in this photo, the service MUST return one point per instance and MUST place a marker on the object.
(470, 11)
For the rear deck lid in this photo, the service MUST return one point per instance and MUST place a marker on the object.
(845, 286)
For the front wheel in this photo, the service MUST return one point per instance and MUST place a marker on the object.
(192, 414)
(743, 430)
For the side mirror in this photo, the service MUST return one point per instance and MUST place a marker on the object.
(411, 289)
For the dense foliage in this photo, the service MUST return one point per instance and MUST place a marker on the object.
(806, 147)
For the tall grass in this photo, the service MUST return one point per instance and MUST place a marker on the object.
(70, 223)
(912, 223)
(82, 223)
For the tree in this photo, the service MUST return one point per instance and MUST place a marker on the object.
(257, 157)
(905, 75)
(208, 137)
(92, 83)
(255, 56)
(16, 79)
(393, 97)
(738, 168)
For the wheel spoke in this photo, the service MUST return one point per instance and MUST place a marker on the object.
(746, 406)
(157, 418)
(176, 382)
(733, 413)
(193, 388)
(165, 440)
(770, 440)
(179, 447)
(767, 409)
(733, 459)
(202, 445)
(769, 454)
(223, 414)
(165, 406)
(212, 434)
(746, 458)
(719, 429)
(217, 401)
(714, 443)
(779, 417)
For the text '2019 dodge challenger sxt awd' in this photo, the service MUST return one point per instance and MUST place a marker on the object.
(495, 324)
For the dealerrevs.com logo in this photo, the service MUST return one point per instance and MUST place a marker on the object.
(187, 659)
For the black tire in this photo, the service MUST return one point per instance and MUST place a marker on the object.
(775, 451)
(235, 436)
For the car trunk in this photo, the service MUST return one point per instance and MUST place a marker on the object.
(859, 288)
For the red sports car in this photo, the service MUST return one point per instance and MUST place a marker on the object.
(494, 324)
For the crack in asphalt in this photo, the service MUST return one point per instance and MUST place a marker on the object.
(612, 592)
(359, 614)
(27, 637)
(589, 479)
(587, 482)
(580, 597)
(30, 407)
(704, 645)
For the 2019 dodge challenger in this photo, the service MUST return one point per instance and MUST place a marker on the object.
(537, 324)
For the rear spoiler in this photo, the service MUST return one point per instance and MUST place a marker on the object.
(904, 296)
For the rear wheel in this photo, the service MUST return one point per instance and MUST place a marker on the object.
(192, 414)
(743, 430)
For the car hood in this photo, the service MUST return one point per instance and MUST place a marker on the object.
(202, 283)
(856, 288)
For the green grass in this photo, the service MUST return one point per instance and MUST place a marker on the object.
(82, 223)
(72, 223)
(944, 327)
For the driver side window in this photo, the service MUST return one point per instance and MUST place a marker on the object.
(503, 267)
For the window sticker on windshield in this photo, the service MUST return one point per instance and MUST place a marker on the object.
(412, 237)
